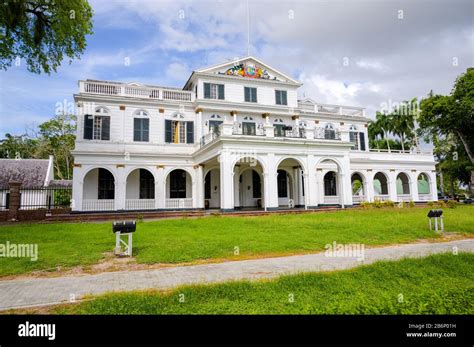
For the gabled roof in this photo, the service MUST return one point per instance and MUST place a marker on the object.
(30, 172)
(223, 67)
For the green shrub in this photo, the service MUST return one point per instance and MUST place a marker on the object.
(441, 204)
(401, 204)
(451, 203)
(388, 203)
(430, 203)
(377, 203)
(366, 204)
(411, 203)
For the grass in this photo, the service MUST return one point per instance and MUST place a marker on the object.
(438, 284)
(216, 237)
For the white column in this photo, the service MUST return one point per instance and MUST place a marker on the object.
(271, 189)
(198, 126)
(236, 174)
(227, 182)
(346, 189)
(120, 189)
(160, 190)
(311, 188)
(77, 189)
(320, 185)
(369, 186)
(198, 202)
(433, 186)
(414, 186)
(392, 186)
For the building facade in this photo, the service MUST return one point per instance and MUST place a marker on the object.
(236, 136)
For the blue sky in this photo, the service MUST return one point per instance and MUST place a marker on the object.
(389, 58)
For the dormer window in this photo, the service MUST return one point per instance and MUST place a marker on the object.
(213, 91)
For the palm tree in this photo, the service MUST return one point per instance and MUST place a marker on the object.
(385, 124)
(403, 122)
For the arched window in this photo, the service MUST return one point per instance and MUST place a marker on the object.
(329, 132)
(330, 187)
(248, 126)
(141, 126)
(215, 123)
(354, 137)
(97, 125)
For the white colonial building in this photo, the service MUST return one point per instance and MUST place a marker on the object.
(236, 136)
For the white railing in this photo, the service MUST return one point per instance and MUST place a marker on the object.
(342, 110)
(123, 89)
(407, 151)
(404, 197)
(179, 203)
(358, 198)
(327, 134)
(382, 197)
(424, 197)
(208, 138)
(331, 199)
(98, 204)
(140, 204)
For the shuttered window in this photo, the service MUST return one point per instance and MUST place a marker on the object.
(362, 141)
(141, 129)
(96, 127)
(213, 91)
(179, 131)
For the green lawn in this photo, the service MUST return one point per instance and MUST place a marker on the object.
(439, 284)
(187, 240)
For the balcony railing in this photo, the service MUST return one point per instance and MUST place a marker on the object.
(98, 204)
(331, 199)
(404, 197)
(179, 203)
(327, 134)
(407, 151)
(144, 92)
(140, 204)
(424, 197)
(357, 199)
(382, 197)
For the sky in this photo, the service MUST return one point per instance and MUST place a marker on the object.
(364, 53)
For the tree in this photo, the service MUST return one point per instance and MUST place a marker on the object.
(43, 31)
(402, 121)
(452, 116)
(54, 137)
(19, 146)
(57, 137)
(382, 126)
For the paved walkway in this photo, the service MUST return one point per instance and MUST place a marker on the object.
(47, 291)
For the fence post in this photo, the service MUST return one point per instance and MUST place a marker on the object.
(14, 200)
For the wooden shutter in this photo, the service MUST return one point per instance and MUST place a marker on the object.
(105, 133)
(254, 94)
(167, 130)
(88, 126)
(362, 141)
(137, 129)
(145, 129)
(220, 92)
(283, 97)
(277, 97)
(189, 132)
(207, 90)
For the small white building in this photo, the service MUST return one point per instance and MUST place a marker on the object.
(236, 136)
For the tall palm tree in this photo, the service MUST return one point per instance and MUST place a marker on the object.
(384, 122)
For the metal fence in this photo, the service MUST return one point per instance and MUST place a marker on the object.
(45, 197)
(4, 199)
